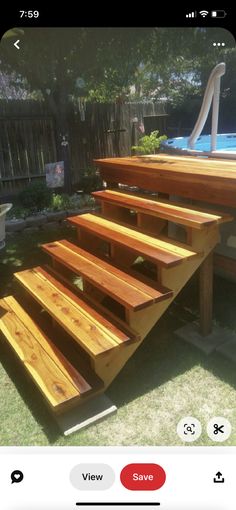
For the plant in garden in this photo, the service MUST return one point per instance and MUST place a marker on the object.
(17, 212)
(60, 202)
(90, 180)
(74, 201)
(87, 201)
(36, 196)
(148, 144)
(65, 202)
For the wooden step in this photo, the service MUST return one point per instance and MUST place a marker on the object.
(171, 211)
(92, 302)
(59, 381)
(122, 287)
(92, 331)
(159, 251)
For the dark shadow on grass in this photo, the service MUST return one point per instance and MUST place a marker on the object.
(30, 395)
(162, 356)
(224, 298)
(221, 367)
(23, 251)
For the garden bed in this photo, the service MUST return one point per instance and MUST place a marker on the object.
(47, 220)
(38, 207)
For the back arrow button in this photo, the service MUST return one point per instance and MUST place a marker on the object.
(16, 44)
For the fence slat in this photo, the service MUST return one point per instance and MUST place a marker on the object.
(28, 137)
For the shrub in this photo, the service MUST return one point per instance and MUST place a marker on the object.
(90, 181)
(36, 196)
(60, 202)
(87, 201)
(149, 143)
(17, 212)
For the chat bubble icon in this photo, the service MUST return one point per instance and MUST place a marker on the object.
(16, 476)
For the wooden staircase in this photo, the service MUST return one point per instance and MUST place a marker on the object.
(103, 295)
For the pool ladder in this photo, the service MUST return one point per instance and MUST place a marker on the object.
(212, 93)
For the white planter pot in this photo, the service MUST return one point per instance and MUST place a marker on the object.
(4, 208)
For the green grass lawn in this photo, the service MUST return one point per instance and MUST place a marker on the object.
(165, 380)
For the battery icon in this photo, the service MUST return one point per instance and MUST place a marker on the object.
(218, 14)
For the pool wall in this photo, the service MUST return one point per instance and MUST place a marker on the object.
(226, 146)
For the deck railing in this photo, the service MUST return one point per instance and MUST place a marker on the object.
(212, 93)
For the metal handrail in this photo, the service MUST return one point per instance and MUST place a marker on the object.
(212, 92)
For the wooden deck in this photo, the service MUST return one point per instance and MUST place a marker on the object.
(209, 180)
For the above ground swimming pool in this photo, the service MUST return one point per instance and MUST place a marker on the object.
(226, 146)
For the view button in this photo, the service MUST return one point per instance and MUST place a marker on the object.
(92, 477)
(143, 477)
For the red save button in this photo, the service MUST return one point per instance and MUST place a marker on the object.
(143, 477)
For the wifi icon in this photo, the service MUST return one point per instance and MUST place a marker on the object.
(204, 13)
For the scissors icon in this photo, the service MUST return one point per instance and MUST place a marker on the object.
(218, 429)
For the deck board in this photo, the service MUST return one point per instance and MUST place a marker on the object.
(127, 290)
(171, 211)
(213, 181)
(57, 379)
(165, 253)
(86, 326)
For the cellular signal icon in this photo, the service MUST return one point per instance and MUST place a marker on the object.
(191, 15)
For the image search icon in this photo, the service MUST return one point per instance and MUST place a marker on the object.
(16, 476)
(189, 429)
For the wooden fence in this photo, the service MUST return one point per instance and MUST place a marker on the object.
(28, 141)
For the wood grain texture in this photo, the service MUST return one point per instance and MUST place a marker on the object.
(174, 212)
(207, 161)
(213, 181)
(127, 290)
(114, 321)
(84, 324)
(162, 252)
(54, 375)
(206, 295)
(117, 328)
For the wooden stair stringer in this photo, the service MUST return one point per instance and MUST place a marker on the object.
(144, 320)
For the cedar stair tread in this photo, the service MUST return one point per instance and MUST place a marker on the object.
(57, 379)
(90, 329)
(127, 290)
(190, 216)
(160, 251)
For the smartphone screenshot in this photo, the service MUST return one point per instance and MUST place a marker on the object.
(117, 261)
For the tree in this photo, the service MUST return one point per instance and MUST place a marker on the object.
(59, 65)
(178, 62)
(55, 61)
